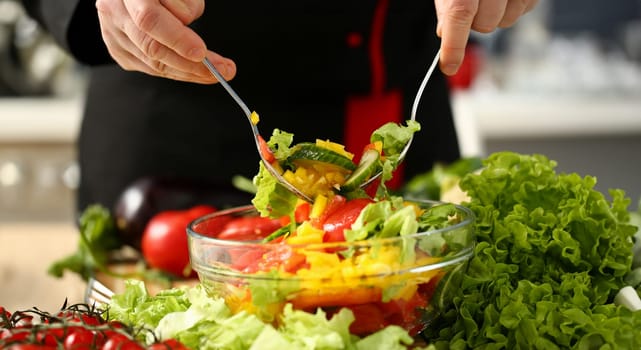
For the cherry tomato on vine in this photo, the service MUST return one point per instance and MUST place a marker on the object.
(121, 342)
(169, 344)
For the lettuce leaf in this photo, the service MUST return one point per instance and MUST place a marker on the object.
(200, 321)
(552, 253)
(272, 199)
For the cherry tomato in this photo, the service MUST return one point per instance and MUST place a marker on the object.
(164, 241)
(121, 342)
(83, 339)
(249, 228)
(169, 344)
(342, 217)
(30, 347)
(51, 336)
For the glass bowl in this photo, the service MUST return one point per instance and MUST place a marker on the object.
(403, 280)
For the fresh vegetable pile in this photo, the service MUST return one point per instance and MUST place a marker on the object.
(78, 326)
(383, 260)
(198, 321)
(552, 254)
(380, 257)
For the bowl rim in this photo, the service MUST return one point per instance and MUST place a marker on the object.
(468, 220)
(460, 256)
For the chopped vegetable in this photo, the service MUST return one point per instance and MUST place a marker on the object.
(324, 167)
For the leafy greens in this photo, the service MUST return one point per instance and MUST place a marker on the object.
(552, 253)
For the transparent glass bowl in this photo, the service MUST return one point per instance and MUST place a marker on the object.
(405, 280)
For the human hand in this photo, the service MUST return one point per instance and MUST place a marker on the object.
(456, 18)
(152, 36)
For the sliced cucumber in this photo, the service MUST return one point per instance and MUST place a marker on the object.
(310, 152)
(368, 166)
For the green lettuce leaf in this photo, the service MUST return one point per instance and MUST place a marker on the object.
(201, 321)
(552, 253)
(272, 199)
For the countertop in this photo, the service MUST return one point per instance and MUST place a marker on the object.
(26, 251)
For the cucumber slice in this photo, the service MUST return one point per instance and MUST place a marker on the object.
(310, 152)
(368, 166)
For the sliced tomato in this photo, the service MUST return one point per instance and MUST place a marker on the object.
(368, 318)
(246, 260)
(249, 228)
(343, 217)
(265, 151)
(336, 202)
(283, 257)
(301, 214)
(406, 313)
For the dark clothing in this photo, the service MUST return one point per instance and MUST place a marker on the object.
(298, 63)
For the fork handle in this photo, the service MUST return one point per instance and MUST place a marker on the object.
(227, 87)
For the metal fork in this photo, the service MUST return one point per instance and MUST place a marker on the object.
(417, 99)
(255, 132)
(97, 293)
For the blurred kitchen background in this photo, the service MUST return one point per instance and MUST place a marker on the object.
(564, 82)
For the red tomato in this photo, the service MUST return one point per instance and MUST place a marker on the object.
(300, 214)
(51, 336)
(336, 202)
(30, 347)
(368, 318)
(282, 256)
(342, 217)
(84, 339)
(164, 241)
(121, 342)
(246, 260)
(406, 313)
(250, 228)
(169, 344)
(265, 151)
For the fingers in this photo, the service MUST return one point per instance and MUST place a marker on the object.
(454, 23)
(185, 10)
(156, 30)
(456, 18)
(514, 10)
(489, 14)
(151, 36)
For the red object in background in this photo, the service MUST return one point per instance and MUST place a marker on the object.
(364, 114)
(164, 241)
(467, 73)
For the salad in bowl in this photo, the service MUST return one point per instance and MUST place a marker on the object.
(391, 261)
